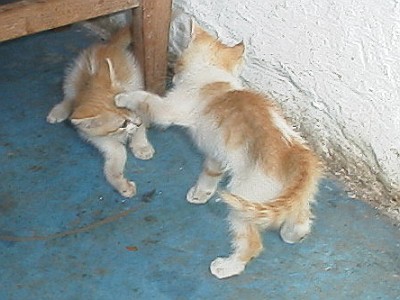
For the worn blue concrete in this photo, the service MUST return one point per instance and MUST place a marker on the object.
(51, 181)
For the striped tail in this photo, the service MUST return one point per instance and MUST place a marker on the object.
(298, 192)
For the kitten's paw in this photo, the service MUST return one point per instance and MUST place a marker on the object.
(128, 190)
(57, 114)
(197, 196)
(224, 267)
(143, 152)
(130, 100)
(294, 233)
(122, 100)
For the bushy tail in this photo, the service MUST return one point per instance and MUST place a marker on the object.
(297, 193)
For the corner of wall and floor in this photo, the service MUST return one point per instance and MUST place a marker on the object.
(334, 67)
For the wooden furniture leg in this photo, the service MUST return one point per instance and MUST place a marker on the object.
(151, 19)
(150, 26)
(24, 17)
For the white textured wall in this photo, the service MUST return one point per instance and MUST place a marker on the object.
(334, 65)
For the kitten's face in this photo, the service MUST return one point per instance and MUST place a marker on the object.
(205, 50)
(116, 122)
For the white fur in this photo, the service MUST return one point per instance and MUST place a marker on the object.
(224, 267)
(254, 184)
(294, 232)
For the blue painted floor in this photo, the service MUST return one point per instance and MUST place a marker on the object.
(65, 234)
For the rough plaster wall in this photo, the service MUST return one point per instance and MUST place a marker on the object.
(334, 65)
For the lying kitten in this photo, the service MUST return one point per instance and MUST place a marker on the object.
(97, 75)
(274, 175)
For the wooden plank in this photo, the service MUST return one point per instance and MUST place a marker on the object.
(137, 38)
(30, 16)
(150, 28)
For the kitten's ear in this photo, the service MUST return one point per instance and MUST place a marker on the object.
(195, 30)
(86, 122)
(113, 77)
(238, 50)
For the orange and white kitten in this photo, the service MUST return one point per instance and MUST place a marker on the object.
(97, 75)
(274, 175)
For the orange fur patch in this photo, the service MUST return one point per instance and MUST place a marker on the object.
(215, 89)
(95, 87)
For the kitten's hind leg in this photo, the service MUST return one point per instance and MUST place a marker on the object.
(115, 158)
(60, 111)
(140, 145)
(296, 226)
(207, 182)
(247, 244)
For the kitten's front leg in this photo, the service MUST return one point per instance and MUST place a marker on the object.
(115, 158)
(132, 100)
(161, 111)
(207, 182)
(60, 111)
(140, 145)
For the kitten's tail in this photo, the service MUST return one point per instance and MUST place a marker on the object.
(298, 191)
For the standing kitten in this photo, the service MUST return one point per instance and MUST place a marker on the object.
(274, 175)
(97, 75)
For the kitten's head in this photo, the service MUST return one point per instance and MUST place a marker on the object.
(105, 121)
(205, 50)
(95, 113)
